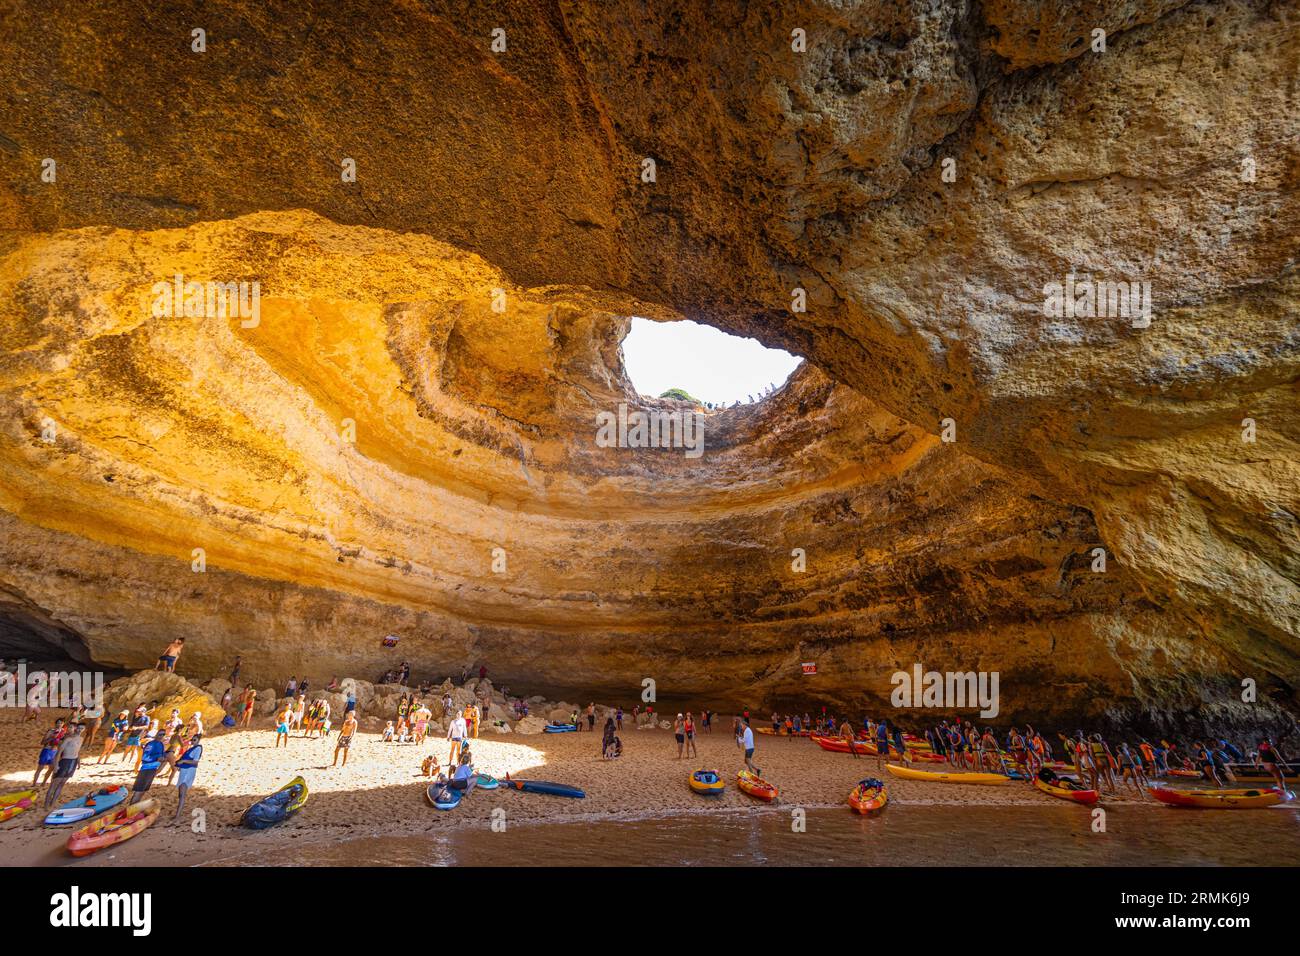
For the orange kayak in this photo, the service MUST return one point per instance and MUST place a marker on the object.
(113, 828)
(756, 786)
(838, 745)
(868, 796)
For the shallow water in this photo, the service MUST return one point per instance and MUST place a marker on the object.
(902, 835)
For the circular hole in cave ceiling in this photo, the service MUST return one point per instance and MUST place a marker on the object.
(704, 363)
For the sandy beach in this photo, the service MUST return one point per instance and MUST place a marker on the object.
(381, 791)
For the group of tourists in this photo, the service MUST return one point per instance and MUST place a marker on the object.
(147, 743)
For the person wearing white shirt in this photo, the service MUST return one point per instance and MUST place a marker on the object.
(745, 740)
(456, 732)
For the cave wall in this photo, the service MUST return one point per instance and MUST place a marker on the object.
(821, 170)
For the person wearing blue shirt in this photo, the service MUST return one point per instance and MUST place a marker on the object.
(187, 766)
(151, 758)
(464, 778)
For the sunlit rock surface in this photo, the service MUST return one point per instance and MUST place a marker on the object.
(1169, 158)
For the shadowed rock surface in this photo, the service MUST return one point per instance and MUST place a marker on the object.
(1170, 158)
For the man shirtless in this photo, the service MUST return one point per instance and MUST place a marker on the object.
(346, 732)
(167, 662)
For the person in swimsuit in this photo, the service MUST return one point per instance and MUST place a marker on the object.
(689, 727)
(1130, 769)
(49, 747)
(250, 698)
(1268, 757)
(346, 732)
(66, 760)
(282, 722)
(591, 716)
(1205, 762)
(167, 661)
(139, 724)
(116, 734)
(607, 738)
(679, 731)
(456, 733)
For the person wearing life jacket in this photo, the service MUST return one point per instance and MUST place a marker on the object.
(187, 767)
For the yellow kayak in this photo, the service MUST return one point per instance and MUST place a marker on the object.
(907, 773)
(12, 804)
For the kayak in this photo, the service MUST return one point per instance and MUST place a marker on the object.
(867, 796)
(1173, 772)
(113, 828)
(756, 786)
(485, 782)
(838, 745)
(559, 728)
(707, 782)
(781, 733)
(12, 804)
(1222, 799)
(278, 807)
(978, 778)
(544, 786)
(442, 796)
(91, 805)
(1065, 793)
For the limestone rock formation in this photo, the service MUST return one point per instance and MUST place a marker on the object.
(169, 691)
(384, 452)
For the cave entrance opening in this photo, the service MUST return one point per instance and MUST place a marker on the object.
(698, 362)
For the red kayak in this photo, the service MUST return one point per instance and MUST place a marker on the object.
(838, 745)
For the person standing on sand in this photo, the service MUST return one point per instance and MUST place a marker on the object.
(299, 711)
(618, 719)
(679, 731)
(591, 716)
(689, 727)
(422, 715)
(346, 733)
(249, 698)
(186, 766)
(607, 738)
(66, 760)
(167, 660)
(49, 747)
(282, 726)
(139, 724)
(115, 735)
(151, 758)
(456, 734)
(745, 741)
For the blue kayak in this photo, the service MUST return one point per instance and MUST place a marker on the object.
(560, 728)
(442, 796)
(278, 807)
(544, 786)
(91, 805)
(485, 782)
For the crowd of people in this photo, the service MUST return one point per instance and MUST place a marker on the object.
(1106, 765)
(147, 744)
